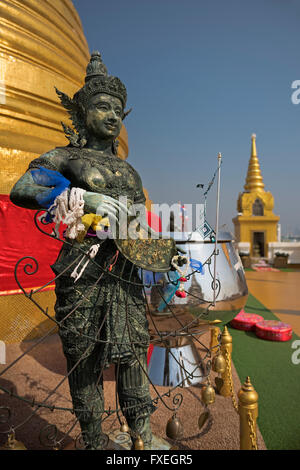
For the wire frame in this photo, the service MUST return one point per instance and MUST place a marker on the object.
(126, 277)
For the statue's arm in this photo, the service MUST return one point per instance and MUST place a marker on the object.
(25, 192)
(34, 187)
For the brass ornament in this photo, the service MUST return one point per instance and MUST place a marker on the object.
(174, 429)
(226, 349)
(214, 334)
(124, 427)
(219, 363)
(208, 394)
(247, 394)
(248, 413)
(139, 444)
(202, 419)
(12, 443)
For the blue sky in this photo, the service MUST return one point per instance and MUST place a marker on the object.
(201, 77)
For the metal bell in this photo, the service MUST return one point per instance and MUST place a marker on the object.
(139, 444)
(174, 428)
(219, 363)
(208, 394)
(13, 444)
(124, 427)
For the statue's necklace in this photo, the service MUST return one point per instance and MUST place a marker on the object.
(111, 161)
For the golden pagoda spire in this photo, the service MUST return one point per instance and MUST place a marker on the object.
(254, 180)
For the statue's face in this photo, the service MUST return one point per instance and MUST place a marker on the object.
(104, 116)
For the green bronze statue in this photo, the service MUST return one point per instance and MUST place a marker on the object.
(101, 313)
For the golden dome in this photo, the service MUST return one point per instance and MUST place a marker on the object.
(42, 45)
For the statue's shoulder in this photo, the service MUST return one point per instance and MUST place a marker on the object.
(129, 167)
(55, 159)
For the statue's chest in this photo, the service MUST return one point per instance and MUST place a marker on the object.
(107, 175)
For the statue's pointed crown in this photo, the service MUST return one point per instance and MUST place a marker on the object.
(95, 67)
(97, 80)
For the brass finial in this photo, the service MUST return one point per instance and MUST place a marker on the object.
(225, 382)
(247, 394)
(248, 411)
(214, 339)
(253, 146)
(254, 178)
(226, 337)
(248, 383)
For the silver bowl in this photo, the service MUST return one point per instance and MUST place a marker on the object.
(171, 317)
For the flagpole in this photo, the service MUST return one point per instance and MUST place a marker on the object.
(217, 225)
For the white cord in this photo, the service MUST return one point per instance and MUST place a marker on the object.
(68, 209)
(91, 255)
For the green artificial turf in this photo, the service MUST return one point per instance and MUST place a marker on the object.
(275, 378)
(289, 270)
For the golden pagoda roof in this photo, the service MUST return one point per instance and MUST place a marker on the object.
(254, 180)
(42, 45)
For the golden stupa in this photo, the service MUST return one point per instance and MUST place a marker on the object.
(256, 223)
(42, 45)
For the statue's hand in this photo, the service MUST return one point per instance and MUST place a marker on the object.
(114, 209)
(117, 212)
(106, 206)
